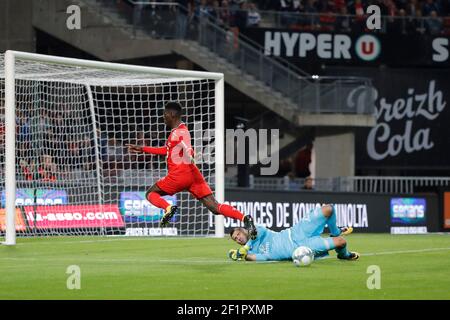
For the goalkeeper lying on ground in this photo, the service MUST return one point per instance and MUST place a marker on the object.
(270, 245)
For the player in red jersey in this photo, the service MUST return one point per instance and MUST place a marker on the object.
(183, 174)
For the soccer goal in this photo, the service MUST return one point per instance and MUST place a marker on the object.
(64, 167)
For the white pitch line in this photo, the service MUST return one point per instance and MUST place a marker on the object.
(405, 251)
(197, 260)
(394, 252)
(53, 242)
(112, 238)
(50, 240)
(130, 261)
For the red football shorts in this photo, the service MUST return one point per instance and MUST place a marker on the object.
(190, 180)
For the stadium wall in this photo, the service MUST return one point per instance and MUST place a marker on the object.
(16, 30)
(378, 213)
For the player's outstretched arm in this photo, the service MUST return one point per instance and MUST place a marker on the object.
(134, 148)
(138, 149)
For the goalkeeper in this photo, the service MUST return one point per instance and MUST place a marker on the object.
(270, 245)
(183, 174)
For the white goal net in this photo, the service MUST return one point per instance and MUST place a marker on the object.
(73, 174)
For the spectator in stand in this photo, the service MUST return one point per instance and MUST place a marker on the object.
(434, 24)
(428, 7)
(102, 139)
(411, 8)
(389, 21)
(184, 11)
(342, 23)
(27, 171)
(215, 11)
(115, 157)
(47, 169)
(225, 16)
(391, 8)
(316, 14)
(287, 10)
(357, 9)
(87, 153)
(328, 18)
(24, 133)
(311, 8)
(308, 185)
(73, 154)
(419, 23)
(241, 16)
(234, 6)
(203, 10)
(359, 21)
(253, 16)
(338, 5)
(402, 24)
(202, 15)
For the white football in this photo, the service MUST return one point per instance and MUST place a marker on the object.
(302, 256)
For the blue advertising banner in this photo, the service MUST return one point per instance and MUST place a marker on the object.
(408, 211)
(134, 207)
(43, 197)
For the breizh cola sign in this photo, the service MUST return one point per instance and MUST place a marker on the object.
(412, 115)
(411, 108)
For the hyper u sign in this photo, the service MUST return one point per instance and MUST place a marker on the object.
(356, 49)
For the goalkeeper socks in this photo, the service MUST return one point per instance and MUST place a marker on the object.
(229, 211)
(158, 201)
(342, 253)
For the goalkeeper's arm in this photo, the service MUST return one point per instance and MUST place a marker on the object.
(241, 254)
(250, 257)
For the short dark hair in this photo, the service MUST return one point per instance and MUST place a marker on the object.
(175, 107)
(235, 229)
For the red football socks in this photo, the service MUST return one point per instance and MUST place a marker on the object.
(158, 201)
(229, 211)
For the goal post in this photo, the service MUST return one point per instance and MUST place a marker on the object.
(10, 149)
(66, 122)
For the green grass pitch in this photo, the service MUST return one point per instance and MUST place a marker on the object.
(412, 267)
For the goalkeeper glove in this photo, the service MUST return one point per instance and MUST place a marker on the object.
(238, 254)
